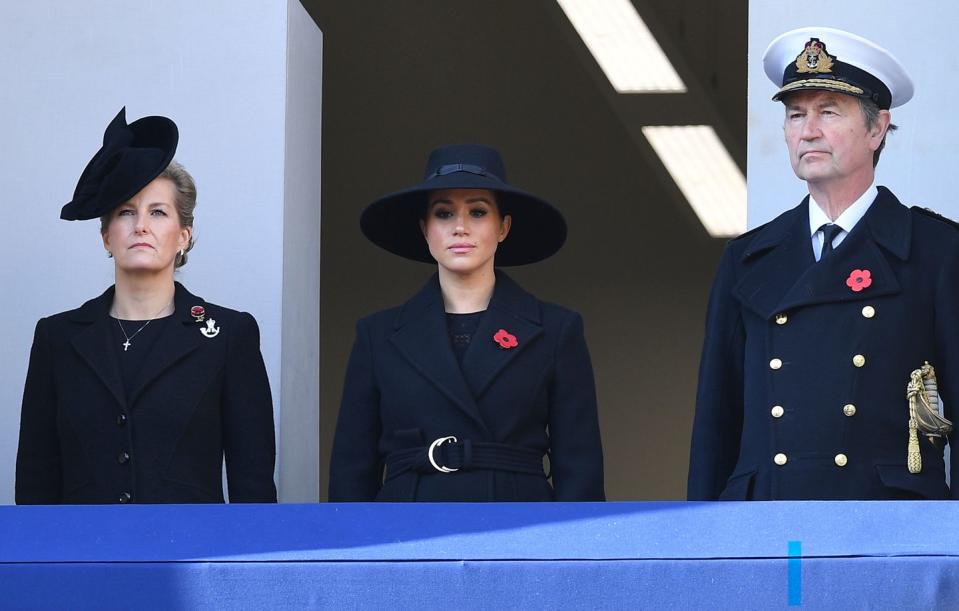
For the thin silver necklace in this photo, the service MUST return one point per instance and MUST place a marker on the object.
(126, 345)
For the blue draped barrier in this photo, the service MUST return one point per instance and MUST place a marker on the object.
(490, 556)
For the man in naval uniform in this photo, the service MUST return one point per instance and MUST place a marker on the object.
(819, 319)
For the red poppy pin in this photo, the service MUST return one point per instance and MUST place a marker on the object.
(198, 313)
(505, 339)
(859, 279)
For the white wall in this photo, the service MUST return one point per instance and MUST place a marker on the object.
(220, 70)
(921, 157)
(299, 449)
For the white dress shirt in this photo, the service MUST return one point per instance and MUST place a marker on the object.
(846, 221)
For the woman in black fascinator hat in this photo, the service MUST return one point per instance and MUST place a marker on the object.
(138, 395)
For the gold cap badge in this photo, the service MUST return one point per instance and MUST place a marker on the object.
(814, 58)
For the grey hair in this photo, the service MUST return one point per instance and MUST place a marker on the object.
(870, 112)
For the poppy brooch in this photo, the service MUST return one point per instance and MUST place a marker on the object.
(505, 339)
(859, 279)
(198, 313)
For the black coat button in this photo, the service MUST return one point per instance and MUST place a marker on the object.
(123, 458)
(125, 497)
(121, 419)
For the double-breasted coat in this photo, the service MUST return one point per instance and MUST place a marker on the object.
(195, 400)
(404, 389)
(802, 383)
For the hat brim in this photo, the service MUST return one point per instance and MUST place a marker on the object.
(537, 232)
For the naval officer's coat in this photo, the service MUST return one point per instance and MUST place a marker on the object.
(404, 389)
(802, 384)
(199, 397)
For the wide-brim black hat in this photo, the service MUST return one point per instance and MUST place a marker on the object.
(392, 222)
(131, 156)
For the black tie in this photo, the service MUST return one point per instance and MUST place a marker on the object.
(829, 233)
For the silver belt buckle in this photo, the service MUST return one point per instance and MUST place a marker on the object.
(436, 443)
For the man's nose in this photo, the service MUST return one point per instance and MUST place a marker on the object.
(810, 128)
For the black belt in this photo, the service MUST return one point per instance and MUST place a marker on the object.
(447, 454)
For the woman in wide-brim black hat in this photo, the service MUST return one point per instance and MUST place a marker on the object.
(139, 394)
(460, 393)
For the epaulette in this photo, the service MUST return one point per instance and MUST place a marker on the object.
(935, 215)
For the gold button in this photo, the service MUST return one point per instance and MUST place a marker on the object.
(779, 459)
(775, 363)
(841, 460)
(869, 311)
(859, 360)
(849, 409)
(777, 411)
(781, 319)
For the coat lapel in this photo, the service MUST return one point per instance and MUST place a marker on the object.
(179, 339)
(422, 338)
(784, 278)
(93, 343)
(779, 254)
(513, 310)
(887, 225)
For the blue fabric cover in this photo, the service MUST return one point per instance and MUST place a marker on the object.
(610, 555)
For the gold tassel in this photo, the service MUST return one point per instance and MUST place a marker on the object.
(914, 456)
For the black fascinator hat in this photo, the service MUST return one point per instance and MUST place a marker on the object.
(392, 222)
(131, 156)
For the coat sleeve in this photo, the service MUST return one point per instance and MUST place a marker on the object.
(576, 451)
(248, 431)
(947, 349)
(718, 422)
(39, 473)
(356, 469)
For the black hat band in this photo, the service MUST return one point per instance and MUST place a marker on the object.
(452, 168)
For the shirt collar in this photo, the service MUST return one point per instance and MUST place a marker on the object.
(849, 217)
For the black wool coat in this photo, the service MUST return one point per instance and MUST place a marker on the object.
(404, 388)
(196, 400)
(802, 383)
